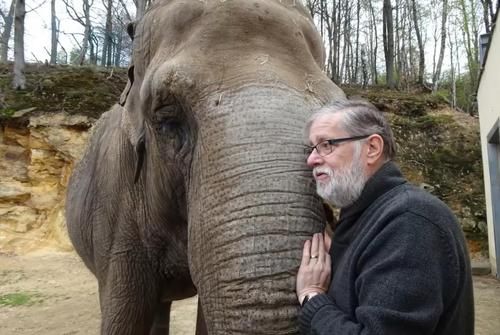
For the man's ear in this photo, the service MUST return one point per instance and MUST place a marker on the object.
(375, 148)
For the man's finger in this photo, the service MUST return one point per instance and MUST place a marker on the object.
(321, 247)
(314, 246)
(306, 253)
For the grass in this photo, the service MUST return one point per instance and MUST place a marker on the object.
(20, 299)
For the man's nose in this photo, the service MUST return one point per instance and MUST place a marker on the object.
(314, 159)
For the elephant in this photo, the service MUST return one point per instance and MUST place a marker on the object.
(196, 182)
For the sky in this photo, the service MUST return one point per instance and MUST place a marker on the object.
(38, 26)
(38, 31)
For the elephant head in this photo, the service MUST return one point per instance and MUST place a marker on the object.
(218, 95)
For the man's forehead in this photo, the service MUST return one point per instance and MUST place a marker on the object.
(325, 127)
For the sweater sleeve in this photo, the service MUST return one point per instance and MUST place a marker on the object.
(404, 275)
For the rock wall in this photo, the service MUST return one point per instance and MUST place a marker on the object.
(438, 151)
(37, 155)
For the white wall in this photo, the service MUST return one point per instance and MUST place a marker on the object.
(489, 114)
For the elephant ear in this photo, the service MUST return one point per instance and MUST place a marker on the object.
(132, 120)
(130, 82)
(140, 150)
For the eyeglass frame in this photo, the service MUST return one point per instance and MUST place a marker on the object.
(334, 141)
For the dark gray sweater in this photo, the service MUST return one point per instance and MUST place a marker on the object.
(399, 266)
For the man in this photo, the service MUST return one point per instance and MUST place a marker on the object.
(398, 262)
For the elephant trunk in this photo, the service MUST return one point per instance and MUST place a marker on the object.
(252, 206)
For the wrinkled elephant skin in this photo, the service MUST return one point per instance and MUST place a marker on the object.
(198, 176)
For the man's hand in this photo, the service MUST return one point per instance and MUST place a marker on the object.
(315, 269)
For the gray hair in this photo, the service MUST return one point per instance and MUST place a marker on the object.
(359, 118)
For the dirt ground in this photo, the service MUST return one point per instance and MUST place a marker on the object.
(63, 300)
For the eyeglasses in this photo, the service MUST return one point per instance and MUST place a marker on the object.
(326, 147)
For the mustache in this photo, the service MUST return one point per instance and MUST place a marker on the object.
(322, 169)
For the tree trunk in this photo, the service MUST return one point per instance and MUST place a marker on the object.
(399, 45)
(140, 9)
(421, 58)
(118, 50)
(453, 100)
(388, 43)
(356, 63)
(487, 5)
(92, 51)
(19, 82)
(54, 31)
(5, 37)
(108, 36)
(337, 21)
(469, 23)
(373, 45)
(364, 69)
(86, 33)
(437, 73)
(327, 20)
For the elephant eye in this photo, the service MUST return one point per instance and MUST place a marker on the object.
(167, 119)
(169, 127)
(170, 124)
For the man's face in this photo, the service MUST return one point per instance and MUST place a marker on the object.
(340, 176)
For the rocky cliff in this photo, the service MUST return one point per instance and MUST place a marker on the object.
(37, 153)
(43, 132)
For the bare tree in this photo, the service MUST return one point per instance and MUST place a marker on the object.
(122, 41)
(487, 11)
(108, 35)
(140, 6)
(356, 52)
(364, 67)
(54, 32)
(421, 57)
(19, 81)
(388, 36)
(8, 19)
(84, 20)
(437, 72)
(313, 7)
(453, 93)
(373, 39)
(470, 36)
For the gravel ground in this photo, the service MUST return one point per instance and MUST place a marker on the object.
(62, 297)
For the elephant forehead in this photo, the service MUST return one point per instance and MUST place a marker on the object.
(215, 33)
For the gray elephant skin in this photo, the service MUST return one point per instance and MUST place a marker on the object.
(196, 182)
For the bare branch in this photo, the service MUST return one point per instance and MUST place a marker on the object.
(76, 41)
(35, 8)
(126, 10)
(73, 14)
(36, 59)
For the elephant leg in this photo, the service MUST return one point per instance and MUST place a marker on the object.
(128, 295)
(201, 327)
(161, 322)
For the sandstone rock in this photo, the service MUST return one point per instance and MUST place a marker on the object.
(61, 120)
(13, 163)
(10, 216)
(15, 135)
(35, 165)
(69, 143)
(14, 192)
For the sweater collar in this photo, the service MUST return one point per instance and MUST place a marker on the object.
(385, 179)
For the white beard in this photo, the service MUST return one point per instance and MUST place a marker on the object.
(344, 186)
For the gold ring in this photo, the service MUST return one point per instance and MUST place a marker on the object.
(315, 256)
